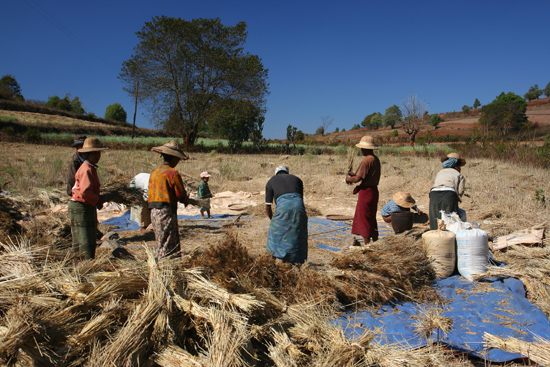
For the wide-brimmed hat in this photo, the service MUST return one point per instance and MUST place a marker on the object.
(78, 140)
(205, 174)
(92, 145)
(461, 161)
(404, 199)
(171, 148)
(367, 142)
(281, 169)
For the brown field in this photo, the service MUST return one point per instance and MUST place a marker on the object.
(500, 197)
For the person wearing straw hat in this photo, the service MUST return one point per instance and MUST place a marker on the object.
(287, 235)
(165, 191)
(368, 177)
(85, 199)
(401, 202)
(448, 188)
(204, 194)
(75, 163)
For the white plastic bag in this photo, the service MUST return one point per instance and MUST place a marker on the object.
(472, 252)
(453, 222)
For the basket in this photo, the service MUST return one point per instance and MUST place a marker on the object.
(402, 221)
(238, 206)
(339, 217)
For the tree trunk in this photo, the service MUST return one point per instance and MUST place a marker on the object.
(135, 109)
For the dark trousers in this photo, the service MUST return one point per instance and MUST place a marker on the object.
(442, 200)
(83, 228)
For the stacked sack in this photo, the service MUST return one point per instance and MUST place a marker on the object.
(472, 248)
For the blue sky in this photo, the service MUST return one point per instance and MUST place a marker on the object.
(345, 59)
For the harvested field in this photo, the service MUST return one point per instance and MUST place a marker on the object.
(227, 303)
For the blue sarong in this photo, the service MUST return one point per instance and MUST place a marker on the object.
(287, 236)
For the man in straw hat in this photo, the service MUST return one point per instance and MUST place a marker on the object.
(165, 191)
(368, 177)
(448, 188)
(75, 163)
(85, 199)
(287, 235)
(401, 202)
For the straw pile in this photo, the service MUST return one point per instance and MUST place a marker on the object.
(118, 190)
(538, 352)
(215, 307)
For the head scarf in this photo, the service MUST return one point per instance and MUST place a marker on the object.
(450, 163)
(281, 169)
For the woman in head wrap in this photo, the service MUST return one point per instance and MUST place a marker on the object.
(287, 235)
(448, 188)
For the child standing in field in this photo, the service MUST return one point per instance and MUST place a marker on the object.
(204, 194)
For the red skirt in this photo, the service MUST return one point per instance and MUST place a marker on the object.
(364, 221)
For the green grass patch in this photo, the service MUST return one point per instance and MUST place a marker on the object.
(8, 118)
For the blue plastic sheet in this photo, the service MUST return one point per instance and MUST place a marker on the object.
(337, 233)
(124, 223)
(499, 308)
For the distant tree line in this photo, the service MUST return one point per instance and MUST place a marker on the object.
(11, 90)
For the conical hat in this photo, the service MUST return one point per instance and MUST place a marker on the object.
(92, 145)
(455, 155)
(171, 148)
(367, 142)
(404, 199)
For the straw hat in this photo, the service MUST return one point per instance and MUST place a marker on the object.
(404, 199)
(78, 141)
(171, 148)
(205, 174)
(367, 142)
(461, 161)
(92, 145)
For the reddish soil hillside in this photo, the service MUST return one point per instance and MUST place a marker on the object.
(454, 123)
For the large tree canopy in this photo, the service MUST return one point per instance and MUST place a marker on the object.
(187, 70)
(504, 115)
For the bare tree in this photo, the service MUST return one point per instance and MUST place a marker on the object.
(326, 121)
(413, 111)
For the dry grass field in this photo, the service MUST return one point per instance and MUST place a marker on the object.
(111, 325)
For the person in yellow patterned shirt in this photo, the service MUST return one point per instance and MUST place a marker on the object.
(165, 191)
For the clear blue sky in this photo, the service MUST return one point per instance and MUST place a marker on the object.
(343, 58)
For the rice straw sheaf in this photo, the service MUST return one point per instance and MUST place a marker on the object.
(538, 352)
(396, 268)
(118, 190)
(174, 356)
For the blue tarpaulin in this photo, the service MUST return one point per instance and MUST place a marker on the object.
(498, 307)
(124, 223)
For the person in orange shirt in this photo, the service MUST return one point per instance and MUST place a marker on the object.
(85, 199)
(165, 191)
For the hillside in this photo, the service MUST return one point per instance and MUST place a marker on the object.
(454, 123)
(20, 121)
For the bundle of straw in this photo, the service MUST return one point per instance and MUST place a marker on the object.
(537, 352)
(351, 153)
(118, 190)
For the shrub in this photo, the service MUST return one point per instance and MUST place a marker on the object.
(395, 133)
(115, 112)
(32, 135)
